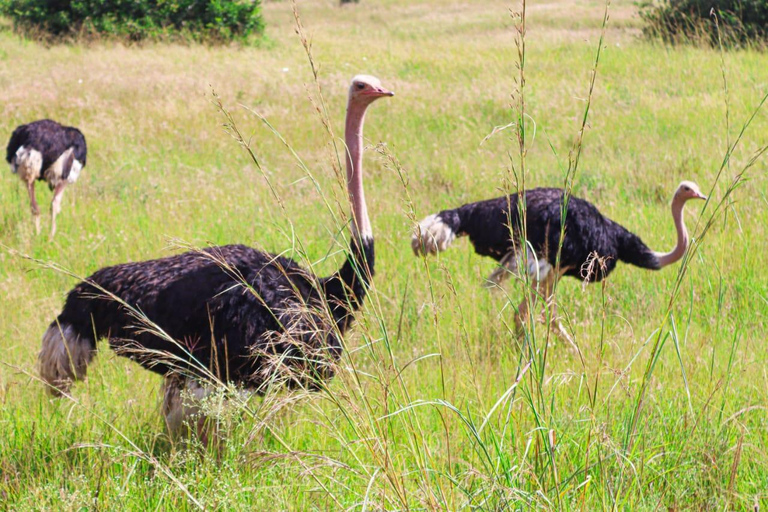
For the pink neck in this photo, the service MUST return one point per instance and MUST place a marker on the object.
(682, 237)
(353, 136)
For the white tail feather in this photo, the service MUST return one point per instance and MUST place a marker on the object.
(64, 358)
(432, 236)
(55, 171)
(28, 163)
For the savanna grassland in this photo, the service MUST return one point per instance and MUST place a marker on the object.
(437, 403)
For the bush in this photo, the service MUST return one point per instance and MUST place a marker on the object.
(742, 22)
(209, 20)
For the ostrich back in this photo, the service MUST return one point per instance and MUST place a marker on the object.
(587, 232)
(234, 311)
(50, 138)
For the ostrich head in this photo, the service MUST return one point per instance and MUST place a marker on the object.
(365, 89)
(687, 190)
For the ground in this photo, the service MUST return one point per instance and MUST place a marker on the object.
(437, 404)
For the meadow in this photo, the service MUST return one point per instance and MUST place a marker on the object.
(437, 403)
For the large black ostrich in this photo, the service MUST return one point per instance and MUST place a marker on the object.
(591, 247)
(238, 314)
(46, 150)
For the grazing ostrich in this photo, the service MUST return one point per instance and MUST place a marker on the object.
(232, 312)
(591, 247)
(46, 150)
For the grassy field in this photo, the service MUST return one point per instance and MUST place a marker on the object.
(437, 405)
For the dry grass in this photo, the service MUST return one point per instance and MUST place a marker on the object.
(387, 433)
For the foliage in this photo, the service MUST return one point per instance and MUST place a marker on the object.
(134, 20)
(740, 22)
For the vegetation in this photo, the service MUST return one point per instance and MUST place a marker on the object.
(208, 20)
(739, 22)
(437, 404)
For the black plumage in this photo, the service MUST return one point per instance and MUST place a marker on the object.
(51, 139)
(587, 232)
(233, 310)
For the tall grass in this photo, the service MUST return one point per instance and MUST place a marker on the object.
(438, 403)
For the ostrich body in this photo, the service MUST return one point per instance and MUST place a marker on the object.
(236, 313)
(592, 243)
(45, 150)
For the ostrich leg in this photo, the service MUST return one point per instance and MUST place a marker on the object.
(507, 266)
(33, 205)
(522, 310)
(554, 320)
(510, 265)
(182, 400)
(522, 314)
(545, 290)
(58, 191)
(549, 297)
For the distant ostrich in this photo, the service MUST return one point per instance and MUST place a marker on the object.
(236, 313)
(588, 236)
(46, 150)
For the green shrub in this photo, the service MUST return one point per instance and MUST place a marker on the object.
(209, 20)
(741, 22)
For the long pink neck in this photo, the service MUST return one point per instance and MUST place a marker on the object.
(353, 136)
(682, 237)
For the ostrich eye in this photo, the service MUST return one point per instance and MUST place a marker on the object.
(686, 188)
(360, 86)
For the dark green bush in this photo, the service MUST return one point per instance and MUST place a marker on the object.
(208, 20)
(742, 22)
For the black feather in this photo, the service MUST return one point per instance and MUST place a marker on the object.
(51, 139)
(587, 232)
(235, 331)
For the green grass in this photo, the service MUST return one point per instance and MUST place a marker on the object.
(432, 351)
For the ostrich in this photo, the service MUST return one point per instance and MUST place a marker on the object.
(233, 312)
(46, 150)
(591, 246)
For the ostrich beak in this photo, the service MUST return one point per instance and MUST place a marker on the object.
(699, 195)
(379, 92)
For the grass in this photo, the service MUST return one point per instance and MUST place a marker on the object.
(437, 404)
